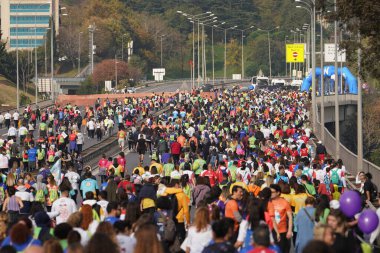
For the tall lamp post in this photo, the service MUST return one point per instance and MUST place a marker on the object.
(286, 64)
(17, 65)
(193, 19)
(79, 49)
(242, 48)
(161, 47)
(204, 61)
(311, 9)
(225, 51)
(122, 46)
(269, 53)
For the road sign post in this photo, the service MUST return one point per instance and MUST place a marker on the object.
(295, 52)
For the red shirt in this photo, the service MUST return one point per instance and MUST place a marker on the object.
(123, 184)
(103, 163)
(121, 161)
(175, 148)
(211, 175)
(261, 250)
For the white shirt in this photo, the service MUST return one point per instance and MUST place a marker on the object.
(1, 118)
(22, 131)
(320, 175)
(80, 138)
(103, 204)
(23, 194)
(3, 161)
(64, 206)
(91, 125)
(12, 131)
(126, 243)
(16, 116)
(73, 178)
(7, 116)
(197, 241)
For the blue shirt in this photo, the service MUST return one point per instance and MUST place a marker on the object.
(32, 154)
(89, 185)
(21, 247)
(111, 219)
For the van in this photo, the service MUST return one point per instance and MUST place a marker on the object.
(278, 82)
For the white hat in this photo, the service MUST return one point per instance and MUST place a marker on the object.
(334, 204)
(319, 142)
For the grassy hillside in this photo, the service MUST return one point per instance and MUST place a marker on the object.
(8, 94)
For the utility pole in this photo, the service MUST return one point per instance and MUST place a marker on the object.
(91, 30)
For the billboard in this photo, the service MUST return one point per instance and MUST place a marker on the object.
(295, 52)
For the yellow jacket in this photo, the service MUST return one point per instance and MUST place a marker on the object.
(183, 204)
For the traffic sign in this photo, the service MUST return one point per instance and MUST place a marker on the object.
(330, 53)
(295, 52)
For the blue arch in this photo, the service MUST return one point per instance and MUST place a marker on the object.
(328, 71)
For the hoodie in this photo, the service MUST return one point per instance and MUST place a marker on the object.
(199, 193)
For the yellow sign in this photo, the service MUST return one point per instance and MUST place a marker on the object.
(295, 52)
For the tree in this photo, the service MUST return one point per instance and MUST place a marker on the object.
(233, 53)
(106, 70)
(361, 16)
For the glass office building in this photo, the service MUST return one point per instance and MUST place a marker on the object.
(25, 23)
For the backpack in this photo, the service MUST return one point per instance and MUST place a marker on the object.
(53, 195)
(192, 145)
(174, 207)
(40, 196)
(2, 195)
(335, 177)
(98, 209)
(168, 233)
(186, 166)
(374, 192)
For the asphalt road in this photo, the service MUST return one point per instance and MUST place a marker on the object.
(87, 141)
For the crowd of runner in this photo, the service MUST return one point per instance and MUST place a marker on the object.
(230, 171)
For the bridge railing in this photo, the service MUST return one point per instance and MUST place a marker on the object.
(349, 158)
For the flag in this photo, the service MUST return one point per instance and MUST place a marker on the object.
(55, 170)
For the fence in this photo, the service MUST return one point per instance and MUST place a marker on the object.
(349, 158)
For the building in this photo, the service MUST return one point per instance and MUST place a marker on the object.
(24, 23)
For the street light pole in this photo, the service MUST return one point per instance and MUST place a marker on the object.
(286, 64)
(360, 113)
(337, 123)
(161, 47)
(322, 85)
(270, 60)
(242, 54)
(116, 71)
(17, 67)
(35, 59)
(225, 55)
(79, 49)
(52, 87)
(213, 60)
(192, 65)
(122, 47)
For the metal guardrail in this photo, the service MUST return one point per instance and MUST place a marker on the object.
(349, 158)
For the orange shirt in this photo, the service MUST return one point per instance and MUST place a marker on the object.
(281, 208)
(181, 139)
(231, 207)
